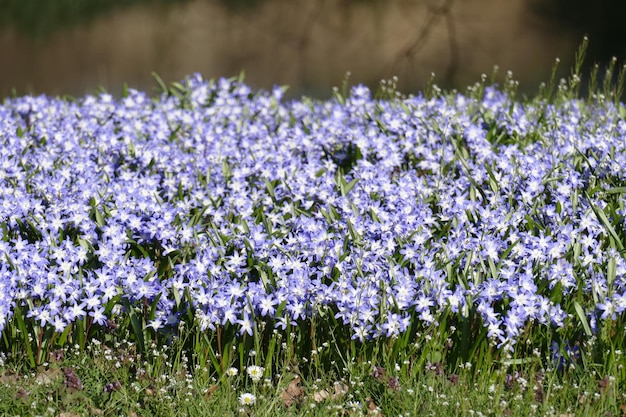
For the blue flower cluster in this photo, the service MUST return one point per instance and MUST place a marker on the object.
(241, 207)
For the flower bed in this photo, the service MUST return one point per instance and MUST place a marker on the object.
(222, 208)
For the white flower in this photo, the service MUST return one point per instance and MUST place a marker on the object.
(247, 399)
(255, 372)
(232, 371)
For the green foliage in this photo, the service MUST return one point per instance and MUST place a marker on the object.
(39, 18)
(109, 379)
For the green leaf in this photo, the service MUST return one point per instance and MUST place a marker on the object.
(177, 298)
(226, 171)
(267, 280)
(212, 356)
(583, 318)
(153, 307)
(21, 325)
(136, 324)
(492, 268)
(616, 190)
(160, 82)
(178, 87)
(63, 337)
(270, 187)
(607, 224)
(518, 361)
(557, 293)
(611, 272)
(348, 187)
(80, 330)
(99, 218)
(374, 216)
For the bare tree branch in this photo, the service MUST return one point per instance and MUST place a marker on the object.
(453, 43)
(411, 49)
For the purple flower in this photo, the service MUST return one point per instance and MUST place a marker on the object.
(98, 316)
(246, 324)
(607, 309)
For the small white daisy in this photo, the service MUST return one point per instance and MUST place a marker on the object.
(247, 399)
(255, 372)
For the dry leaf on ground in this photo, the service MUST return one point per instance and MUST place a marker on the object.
(293, 393)
(340, 389)
(210, 391)
(372, 408)
(49, 376)
(8, 377)
(322, 395)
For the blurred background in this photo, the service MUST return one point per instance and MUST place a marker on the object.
(76, 46)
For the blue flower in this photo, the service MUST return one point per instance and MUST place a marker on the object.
(607, 309)
(246, 324)
(568, 355)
